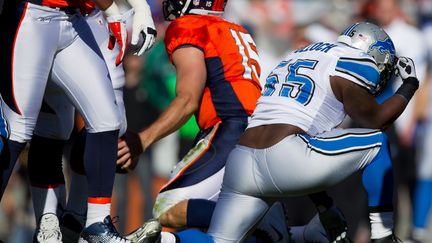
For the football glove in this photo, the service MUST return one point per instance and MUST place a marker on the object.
(405, 68)
(143, 28)
(118, 32)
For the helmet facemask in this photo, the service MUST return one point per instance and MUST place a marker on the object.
(387, 72)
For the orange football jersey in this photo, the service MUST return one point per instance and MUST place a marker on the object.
(232, 86)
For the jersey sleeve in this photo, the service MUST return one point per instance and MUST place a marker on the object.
(358, 68)
(185, 33)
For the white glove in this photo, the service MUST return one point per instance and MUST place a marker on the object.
(143, 28)
(118, 32)
(405, 68)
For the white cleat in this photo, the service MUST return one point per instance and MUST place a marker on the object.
(149, 232)
(49, 229)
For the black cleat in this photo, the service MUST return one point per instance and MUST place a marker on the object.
(102, 232)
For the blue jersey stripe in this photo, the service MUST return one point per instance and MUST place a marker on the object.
(4, 131)
(345, 143)
(360, 71)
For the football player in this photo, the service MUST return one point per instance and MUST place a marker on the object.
(218, 73)
(55, 124)
(4, 130)
(60, 44)
(292, 145)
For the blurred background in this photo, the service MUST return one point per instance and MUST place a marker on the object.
(278, 26)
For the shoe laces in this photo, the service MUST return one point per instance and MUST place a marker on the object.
(49, 229)
(114, 233)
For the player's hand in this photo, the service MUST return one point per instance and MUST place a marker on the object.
(405, 68)
(129, 150)
(143, 30)
(118, 33)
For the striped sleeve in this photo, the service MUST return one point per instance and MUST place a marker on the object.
(360, 70)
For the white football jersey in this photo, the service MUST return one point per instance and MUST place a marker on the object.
(298, 91)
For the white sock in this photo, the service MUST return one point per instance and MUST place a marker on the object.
(77, 198)
(97, 212)
(419, 234)
(46, 199)
(381, 224)
(167, 237)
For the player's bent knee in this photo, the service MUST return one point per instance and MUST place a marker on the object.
(112, 126)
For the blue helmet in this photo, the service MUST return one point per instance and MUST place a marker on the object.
(375, 42)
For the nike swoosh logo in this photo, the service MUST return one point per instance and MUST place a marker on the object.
(280, 236)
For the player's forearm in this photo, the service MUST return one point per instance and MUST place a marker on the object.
(390, 110)
(175, 116)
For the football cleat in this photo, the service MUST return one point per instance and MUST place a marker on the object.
(71, 226)
(388, 239)
(48, 230)
(335, 225)
(102, 232)
(273, 225)
(149, 232)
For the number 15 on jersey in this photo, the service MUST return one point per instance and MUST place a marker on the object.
(248, 51)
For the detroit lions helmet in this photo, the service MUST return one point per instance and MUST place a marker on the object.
(173, 9)
(375, 42)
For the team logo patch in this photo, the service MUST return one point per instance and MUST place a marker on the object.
(383, 47)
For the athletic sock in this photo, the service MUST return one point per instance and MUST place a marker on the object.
(78, 193)
(422, 203)
(97, 210)
(100, 162)
(8, 159)
(381, 224)
(100, 157)
(199, 213)
(167, 237)
(46, 198)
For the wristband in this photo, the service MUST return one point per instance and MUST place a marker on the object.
(408, 88)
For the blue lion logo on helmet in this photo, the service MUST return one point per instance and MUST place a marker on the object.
(385, 46)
